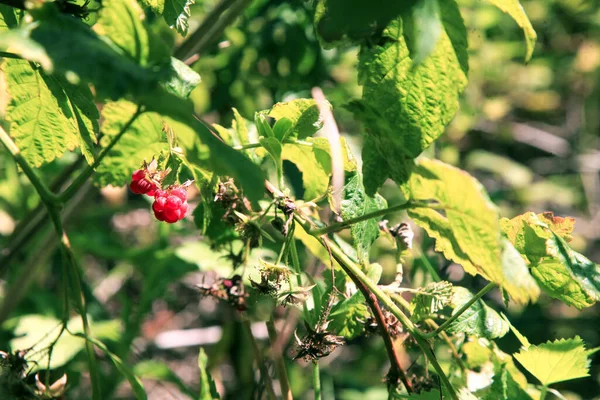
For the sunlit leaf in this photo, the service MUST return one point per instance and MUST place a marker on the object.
(557, 361)
(465, 224)
(405, 107)
(478, 320)
(563, 273)
(516, 11)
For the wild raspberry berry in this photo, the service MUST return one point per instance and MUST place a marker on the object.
(170, 205)
(141, 184)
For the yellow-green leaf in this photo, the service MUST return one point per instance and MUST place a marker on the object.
(465, 224)
(563, 273)
(557, 361)
(516, 11)
(478, 320)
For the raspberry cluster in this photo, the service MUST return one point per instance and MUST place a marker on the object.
(170, 205)
(141, 183)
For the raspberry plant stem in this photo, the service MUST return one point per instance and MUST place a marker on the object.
(378, 213)
(316, 380)
(264, 373)
(52, 205)
(280, 368)
(48, 198)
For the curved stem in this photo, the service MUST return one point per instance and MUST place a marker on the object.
(460, 311)
(45, 194)
(86, 173)
(356, 274)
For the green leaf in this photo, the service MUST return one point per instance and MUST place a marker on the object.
(314, 161)
(177, 14)
(430, 299)
(38, 332)
(563, 273)
(208, 390)
(122, 21)
(466, 227)
(48, 115)
(143, 140)
(478, 320)
(304, 115)
(516, 11)
(262, 125)
(159, 371)
(81, 55)
(282, 129)
(405, 107)
(505, 387)
(348, 317)
(349, 21)
(356, 203)
(184, 81)
(557, 361)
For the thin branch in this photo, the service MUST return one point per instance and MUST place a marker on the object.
(185, 49)
(259, 360)
(86, 173)
(374, 214)
(460, 311)
(214, 30)
(286, 392)
(396, 370)
(48, 198)
(50, 201)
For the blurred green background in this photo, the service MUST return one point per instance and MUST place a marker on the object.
(529, 132)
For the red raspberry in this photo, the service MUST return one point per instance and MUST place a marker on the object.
(170, 205)
(140, 184)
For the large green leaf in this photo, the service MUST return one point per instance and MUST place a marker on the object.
(563, 273)
(515, 10)
(47, 114)
(405, 107)
(81, 55)
(465, 224)
(478, 320)
(143, 140)
(356, 203)
(557, 361)
(349, 21)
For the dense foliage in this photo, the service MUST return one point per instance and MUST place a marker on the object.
(251, 216)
